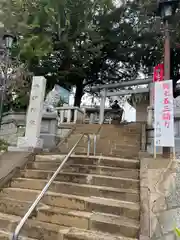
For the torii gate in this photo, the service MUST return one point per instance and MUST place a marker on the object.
(105, 93)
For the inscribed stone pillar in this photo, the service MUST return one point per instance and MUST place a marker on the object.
(34, 115)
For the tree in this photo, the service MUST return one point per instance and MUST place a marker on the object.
(53, 34)
(150, 8)
(82, 43)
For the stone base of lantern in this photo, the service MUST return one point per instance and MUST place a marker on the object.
(25, 144)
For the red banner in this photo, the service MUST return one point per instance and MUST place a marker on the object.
(158, 73)
(158, 76)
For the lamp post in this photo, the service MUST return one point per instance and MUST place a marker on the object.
(8, 40)
(166, 9)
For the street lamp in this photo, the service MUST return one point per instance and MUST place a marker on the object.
(8, 40)
(166, 9)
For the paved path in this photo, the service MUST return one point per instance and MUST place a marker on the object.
(11, 160)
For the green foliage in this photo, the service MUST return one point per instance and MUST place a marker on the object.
(83, 43)
(3, 145)
(18, 91)
(177, 231)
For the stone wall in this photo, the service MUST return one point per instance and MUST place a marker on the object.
(10, 133)
(160, 198)
(13, 126)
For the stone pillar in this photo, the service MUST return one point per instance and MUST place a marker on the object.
(150, 116)
(102, 106)
(62, 114)
(75, 115)
(92, 118)
(141, 111)
(69, 116)
(34, 116)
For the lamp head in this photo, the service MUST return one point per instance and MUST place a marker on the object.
(9, 39)
(167, 8)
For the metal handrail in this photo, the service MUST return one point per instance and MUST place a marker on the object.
(95, 143)
(38, 199)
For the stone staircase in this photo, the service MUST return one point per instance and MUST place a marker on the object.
(120, 140)
(112, 140)
(95, 198)
(79, 129)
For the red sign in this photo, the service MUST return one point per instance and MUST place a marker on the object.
(158, 76)
(158, 73)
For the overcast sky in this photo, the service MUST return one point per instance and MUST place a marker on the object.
(130, 112)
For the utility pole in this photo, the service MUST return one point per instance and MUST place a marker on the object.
(167, 47)
(166, 10)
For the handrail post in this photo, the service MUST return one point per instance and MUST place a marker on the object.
(95, 142)
(89, 145)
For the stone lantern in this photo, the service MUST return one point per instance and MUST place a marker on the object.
(140, 102)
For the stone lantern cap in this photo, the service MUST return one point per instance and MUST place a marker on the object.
(138, 98)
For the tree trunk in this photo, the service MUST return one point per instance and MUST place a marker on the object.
(78, 95)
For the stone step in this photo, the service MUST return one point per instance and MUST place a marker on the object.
(86, 130)
(72, 141)
(132, 154)
(131, 139)
(91, 169)
(92, 179)
(50, 198)
(88, 204)
(115, 225)
(80, 234)
(74, 136)
(15, 207)
(126, 128)
(32, 228)
(119, 142)
(112, 130)
(85, 145)
(124, 139)
(65, 147)
(7, 235)
(81, 149)
(98, 160)
(126, 147)
(91, 125)
(79, 189)
(88, 220)
(78, 150)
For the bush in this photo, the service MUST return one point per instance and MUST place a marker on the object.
(3, 145)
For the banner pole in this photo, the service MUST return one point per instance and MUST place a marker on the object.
(174, 153)
(154, 150)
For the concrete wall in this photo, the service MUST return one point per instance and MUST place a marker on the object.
(160, 198)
